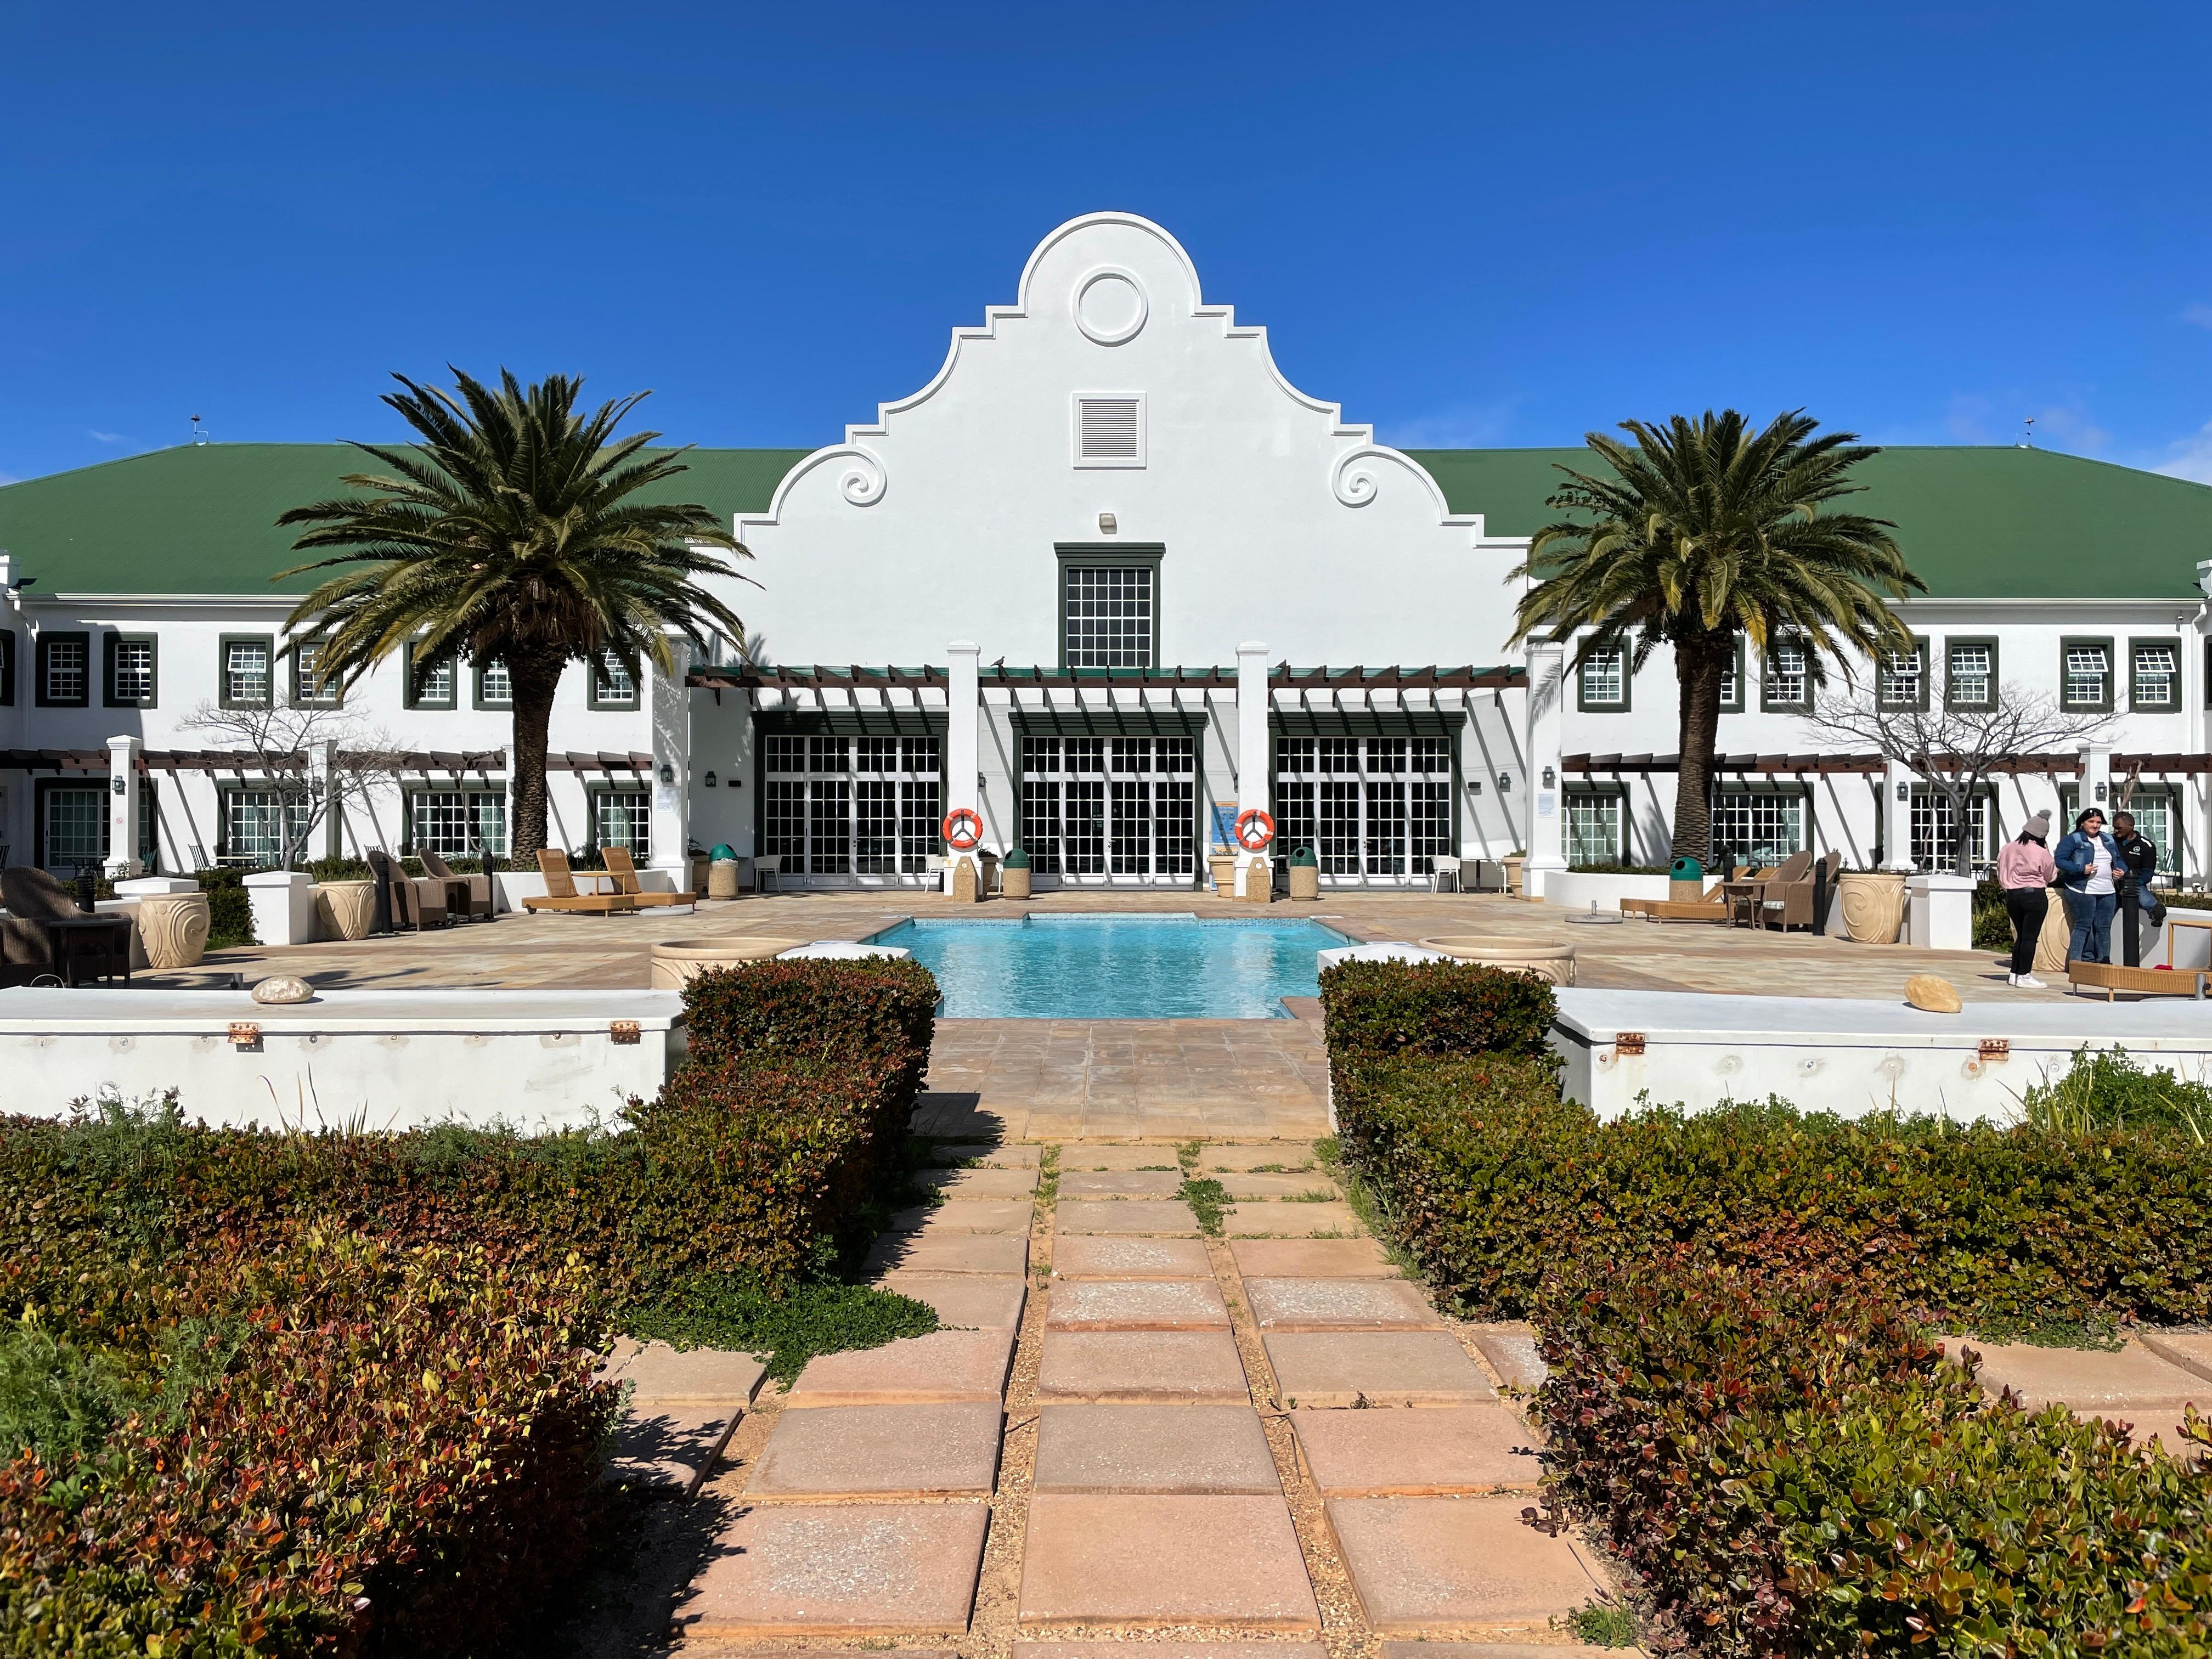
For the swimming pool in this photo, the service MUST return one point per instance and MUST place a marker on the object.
(1158, 967)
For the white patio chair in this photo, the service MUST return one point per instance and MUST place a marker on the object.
(1443, 867)
(768, 873)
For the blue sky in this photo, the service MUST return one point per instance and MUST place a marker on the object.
(1474, 225)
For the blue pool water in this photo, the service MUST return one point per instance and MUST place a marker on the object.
(1162, 967)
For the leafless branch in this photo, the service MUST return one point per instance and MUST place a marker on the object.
(315, 759)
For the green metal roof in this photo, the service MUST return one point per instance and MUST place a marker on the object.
(202, 519)
(1975, 523)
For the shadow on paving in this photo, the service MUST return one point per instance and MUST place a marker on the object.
(625, 1608)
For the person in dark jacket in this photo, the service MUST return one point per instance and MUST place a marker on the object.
(2090, 871)
(2141, 855)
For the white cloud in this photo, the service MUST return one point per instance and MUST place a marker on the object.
(104, 437)
(1463, 426)
(2190, 457)
(2199, 313)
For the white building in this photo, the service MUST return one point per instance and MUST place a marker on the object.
(1049, 586)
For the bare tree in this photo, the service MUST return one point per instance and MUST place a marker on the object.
(1957, 749)
(314, 761)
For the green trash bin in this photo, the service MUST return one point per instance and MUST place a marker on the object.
(1687, 879)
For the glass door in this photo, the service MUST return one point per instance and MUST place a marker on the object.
(1373, 809)
(861, 810)
(1110, 809)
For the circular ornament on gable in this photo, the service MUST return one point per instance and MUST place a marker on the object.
(1110, 306)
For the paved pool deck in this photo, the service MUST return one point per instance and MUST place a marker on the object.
(1120, 1079)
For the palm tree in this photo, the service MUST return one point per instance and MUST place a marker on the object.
(512, 532)
(1704, 531)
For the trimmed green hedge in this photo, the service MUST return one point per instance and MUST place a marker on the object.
(1383, 1010)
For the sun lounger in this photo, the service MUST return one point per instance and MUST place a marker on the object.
(2112, 978)
(1711, 908)
(623, 868)
(560, 892)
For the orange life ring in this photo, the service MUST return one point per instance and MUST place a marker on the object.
(953, 821)
(1253, 818)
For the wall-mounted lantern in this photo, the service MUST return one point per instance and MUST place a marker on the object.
(1904, 790)
(709, 780)
(1550, 778)
(668, 773)
(1505, 783)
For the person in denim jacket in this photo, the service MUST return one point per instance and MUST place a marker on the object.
(2090, 870)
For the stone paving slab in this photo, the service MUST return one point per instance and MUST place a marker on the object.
(660, 1375)
(1155, 1562)
(1141, 1368)
(1283, 1219)
(1015, 1156)
(981, 1215)
(979, 1183)
(1089, 1155)
(1098, 1257)
(881, 1451)
(1153, 1448)
(2191, 1350)
(672, 1444)
(1458, 1448)
(1384, 1368)
(985, 1301)
(1291, 1155)
(1489, 1650)
(1265, 1186)
(1136, 1304)
(1511, 1348)
(1420, 1563)
(950, 1252)
(862, 1570)
(1171, 1216)
(1177, 1651)
(1311, 1258)
(1340, 1304)
(914, 1370)
(2085, 1379)
(1109, 1183)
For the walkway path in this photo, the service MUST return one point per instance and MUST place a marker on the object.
(1132, 1429)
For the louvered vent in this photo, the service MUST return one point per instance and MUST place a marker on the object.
(1107, 430)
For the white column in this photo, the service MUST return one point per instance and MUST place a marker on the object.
(1896, 815)
(123, 807)
(963, 748)
(2096, 782)
(322, 772)
(671, 708)
(1545, 818)
(1253, 737)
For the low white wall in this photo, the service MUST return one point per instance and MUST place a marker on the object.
(1577, 890)
(380, 1060)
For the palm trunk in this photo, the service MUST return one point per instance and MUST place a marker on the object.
(535, 683)
(1699, 665)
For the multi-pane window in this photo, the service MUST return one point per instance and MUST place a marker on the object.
(1732, 680)
(459, 823)
(1110, 806)
(1970, 681)
(850, 806)
(494, 683)
(76, 827)
(2089, 677)
(434, 682)
(1789, 674)
(2154, 822)
(2156, 674)
(1605, 678)
(614, 680)
(623, 817)
(1593, 830)
(65, 667)
(1109, 612)
(254, 830)
(306, 658)
(246, 673)
(1760, 827)
(1369, 807)
(1898, 678)
(131, 677)
(1935, 822)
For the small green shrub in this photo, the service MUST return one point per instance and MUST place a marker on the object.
(2108, 1090)
(1207, 1198)
(1993, 928)
(230, 913)
(56, 1399)
(721, 1310)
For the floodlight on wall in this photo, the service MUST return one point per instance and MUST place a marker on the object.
(1106, 524)
(1475, 785)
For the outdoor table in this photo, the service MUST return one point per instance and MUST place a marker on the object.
(1742, 895)
(79, 938)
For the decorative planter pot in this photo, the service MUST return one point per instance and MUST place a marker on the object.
(172, 929)
(722, 879)
(1014, 881)
(675, 961)
(1305, 881)
(1873, 905)
(1542, 958)
(1513, 875)
(1222, 867)
(345, 910)
(2056, 937)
